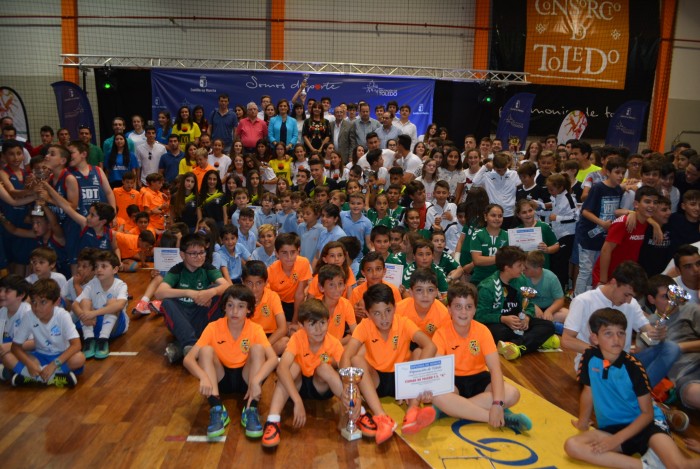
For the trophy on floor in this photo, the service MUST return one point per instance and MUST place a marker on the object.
(527, 293)
(677, 296)
(40, 173)
(351, 377)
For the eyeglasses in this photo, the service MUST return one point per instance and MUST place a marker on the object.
(196, 254)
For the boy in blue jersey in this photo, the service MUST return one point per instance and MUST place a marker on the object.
(615, 385)
(95, 228)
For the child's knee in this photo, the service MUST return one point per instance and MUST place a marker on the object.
(206, 354)
(76, 361)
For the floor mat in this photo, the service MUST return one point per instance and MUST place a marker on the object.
(450, 443)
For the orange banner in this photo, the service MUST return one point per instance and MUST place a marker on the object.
(577, 42)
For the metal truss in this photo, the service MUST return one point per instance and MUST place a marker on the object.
(99, 61)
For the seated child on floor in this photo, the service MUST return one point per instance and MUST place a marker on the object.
(42, 261)
(307, 370)
(616, 387)
(232, 356)
(480, 391)
(101, 307)
(387, 338)
(13, 293)
(56, 358)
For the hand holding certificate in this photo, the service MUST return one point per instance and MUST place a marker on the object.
(527, 239)
(435, 375)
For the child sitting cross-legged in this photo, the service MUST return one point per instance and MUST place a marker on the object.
(616, 387)
(514, 327)
(232, 356)
(480, 392)
(56, 358)
(387, 338)
(101, 307)
(13, 305)
(307, 369)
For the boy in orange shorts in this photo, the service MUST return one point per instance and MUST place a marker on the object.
(307, 370)
(232, 356)
(373, 270)
(480, 392)
(422, 307)
(331, 282)
(289, 275)
(387, 338)
(268, 307)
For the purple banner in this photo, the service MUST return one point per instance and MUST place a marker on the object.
(73, 108)
(625, 128)
(514, 118)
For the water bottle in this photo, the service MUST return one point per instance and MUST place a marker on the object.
(521, 316)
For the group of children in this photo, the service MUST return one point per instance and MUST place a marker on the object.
(300, 273)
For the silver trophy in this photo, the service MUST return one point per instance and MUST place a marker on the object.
(527, 294)
(304, 83)
(351, 377)
(40, 173)
(677, 296)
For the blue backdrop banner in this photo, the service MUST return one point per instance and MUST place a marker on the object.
(175, 88)
(74, 108)
(515, 119)
(625, 128)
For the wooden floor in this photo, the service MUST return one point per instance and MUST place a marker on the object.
(137, 411)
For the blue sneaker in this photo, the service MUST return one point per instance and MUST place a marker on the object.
(218, 419)
(519, 423)
(251, 421)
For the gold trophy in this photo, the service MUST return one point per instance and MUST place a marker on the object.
(351, 377)
(677, 296)
(527, 293)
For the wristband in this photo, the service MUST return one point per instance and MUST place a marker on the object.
(58, 363)
(500, 403)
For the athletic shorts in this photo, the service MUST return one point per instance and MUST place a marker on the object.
(233, 382)
(472, 385)
(639, 443)
(386, 386)
(309, 391)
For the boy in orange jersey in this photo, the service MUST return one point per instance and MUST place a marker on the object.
(331, 282)
(387, 338)
(480, 392)
(289, 275)
(136, 250)
(373, 270)
(268, 307)
(155, 202)
(307, 370)
(232, 356)
(422, 307)
(126, 194)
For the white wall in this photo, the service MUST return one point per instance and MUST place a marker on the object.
(684, 92)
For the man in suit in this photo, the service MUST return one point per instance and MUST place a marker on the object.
(341, 133)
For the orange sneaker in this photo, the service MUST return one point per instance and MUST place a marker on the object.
(417, 419)
(367, 425)
(385, 428)
(141, 308)
(271, 435)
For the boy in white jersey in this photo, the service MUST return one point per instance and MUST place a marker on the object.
(101, 307)
(13, 292)
(56, 357)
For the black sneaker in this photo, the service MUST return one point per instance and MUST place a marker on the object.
(6, 374)
(19, 379)
(64, 379)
